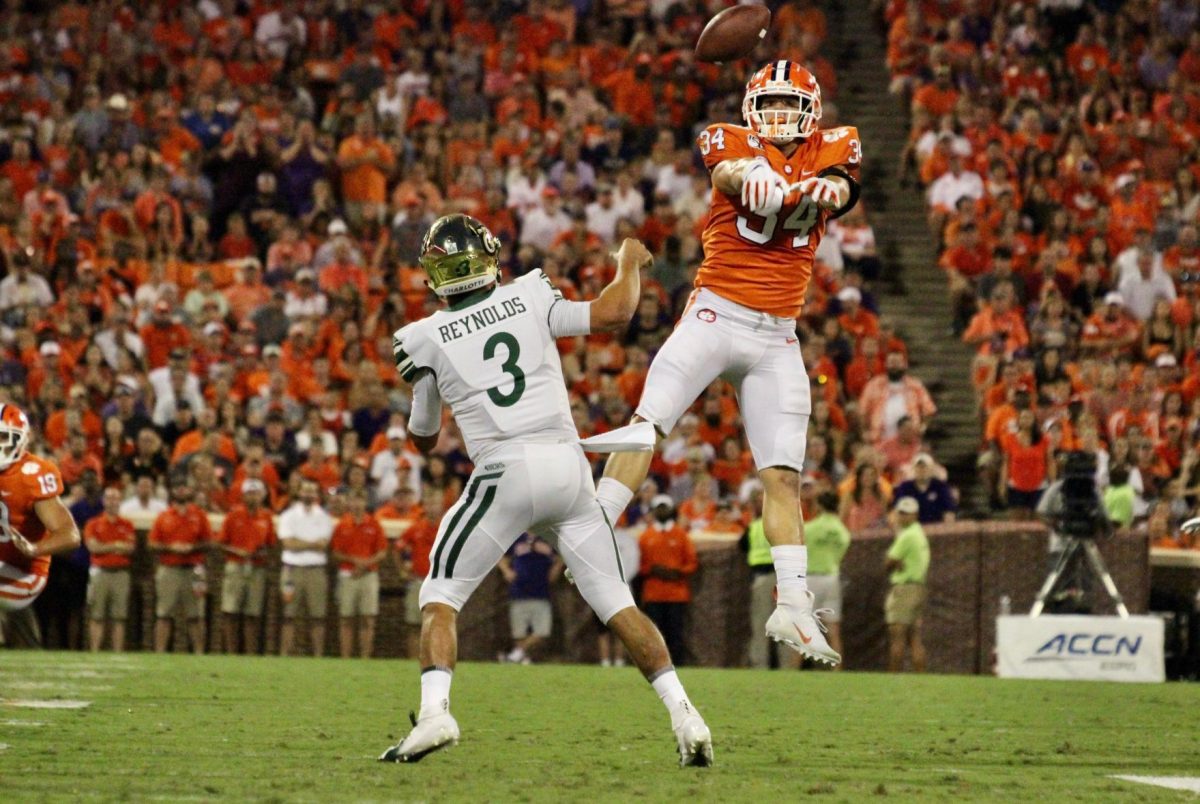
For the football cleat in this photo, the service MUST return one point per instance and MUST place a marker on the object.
(695, 743)
(429, 734)
(796, 625)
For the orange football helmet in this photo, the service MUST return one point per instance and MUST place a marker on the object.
(14, 434)
(787, 79)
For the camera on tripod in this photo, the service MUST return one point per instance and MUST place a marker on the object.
(1078, 516)
(1082, 514)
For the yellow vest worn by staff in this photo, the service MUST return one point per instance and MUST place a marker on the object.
(759, 553)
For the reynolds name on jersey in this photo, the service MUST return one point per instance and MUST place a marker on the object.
(479, 319)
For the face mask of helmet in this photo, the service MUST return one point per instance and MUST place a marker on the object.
(781, 111)
(781, 117)
(12, 445)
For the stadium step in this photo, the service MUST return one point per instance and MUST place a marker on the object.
(917, 299)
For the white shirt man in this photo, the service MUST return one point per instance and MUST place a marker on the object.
(21, 291)
(953, 185)
(306, 522)
(524, 189)
(306, 302)
(630, 203)
(160, 382)
(1126, 263)
(143, 503)
(1145, 286)
(278, 34)
(675, 448)
(116, 337)
(603, 215)
(395, 466)
(546, 222)
(675, 179)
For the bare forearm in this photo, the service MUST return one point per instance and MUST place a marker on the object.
(727, 176)
(58, 542)
(619, 300)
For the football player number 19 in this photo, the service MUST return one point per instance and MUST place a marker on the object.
(512, 351)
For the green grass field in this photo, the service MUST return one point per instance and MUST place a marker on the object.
(176, 727)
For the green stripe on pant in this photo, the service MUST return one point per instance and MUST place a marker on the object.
(484, 505)
(613, 535)
(458, 515)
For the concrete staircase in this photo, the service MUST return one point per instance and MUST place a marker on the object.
(913, 287)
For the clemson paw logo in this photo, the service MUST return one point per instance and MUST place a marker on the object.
(706, 315)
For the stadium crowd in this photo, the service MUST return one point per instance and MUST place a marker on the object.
(1057, 144)
(210, 215)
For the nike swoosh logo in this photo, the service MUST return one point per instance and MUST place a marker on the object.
(803, 638)
(807, 173)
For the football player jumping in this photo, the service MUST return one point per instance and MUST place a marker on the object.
(34, 523)
(776, 182)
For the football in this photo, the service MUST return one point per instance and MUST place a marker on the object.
(733, 33)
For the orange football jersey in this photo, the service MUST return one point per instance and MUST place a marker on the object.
(28, 481)
(765, 263)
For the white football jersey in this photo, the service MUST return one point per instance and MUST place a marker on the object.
(496, 363)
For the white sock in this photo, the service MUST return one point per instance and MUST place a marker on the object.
(791, 569)
(670, 691)
(614, 497)
(516, 654)
(435, 691)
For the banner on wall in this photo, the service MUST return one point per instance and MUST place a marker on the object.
(1080, 647)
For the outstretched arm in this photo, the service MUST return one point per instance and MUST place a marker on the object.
(617, 303)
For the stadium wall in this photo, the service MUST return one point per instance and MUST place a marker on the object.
(973, 565)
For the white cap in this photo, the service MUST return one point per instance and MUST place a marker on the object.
(1123, 181)
(923, 457)
(50, 348)
(662, 499)
(337, 226)
(849, 294)
(1112, 297)
(118, 102)
(252, 484)
(908, 505)
(396, 432)
(1166, 360)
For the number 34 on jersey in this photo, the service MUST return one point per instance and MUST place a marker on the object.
(764, 262)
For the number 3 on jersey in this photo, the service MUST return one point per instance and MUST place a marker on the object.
(800, 221)
(509, 366)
